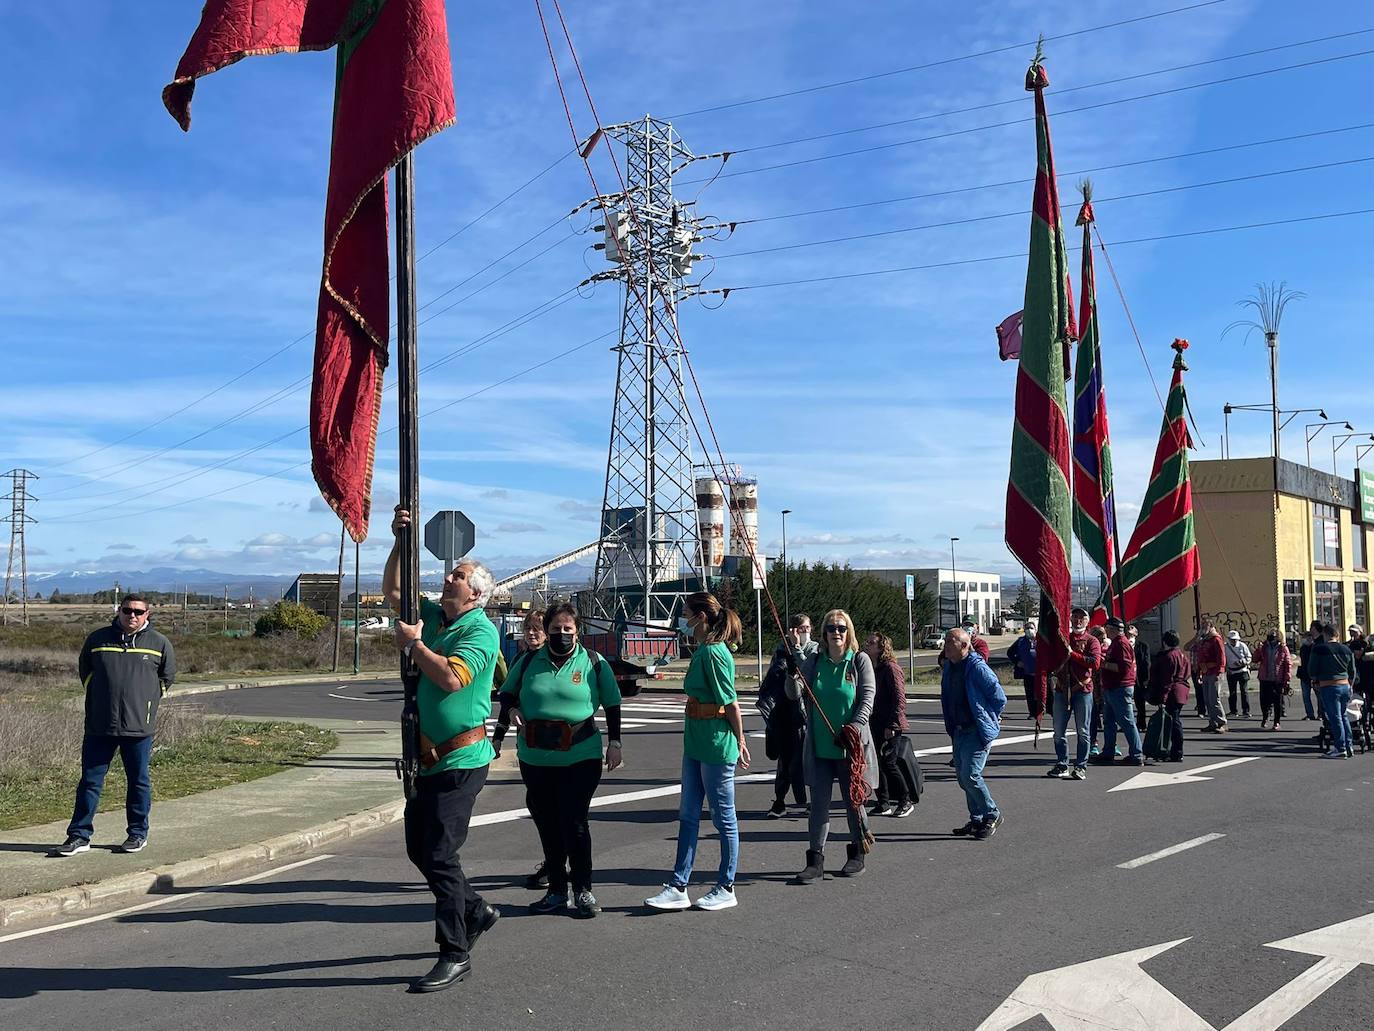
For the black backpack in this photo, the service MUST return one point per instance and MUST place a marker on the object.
(909, 766)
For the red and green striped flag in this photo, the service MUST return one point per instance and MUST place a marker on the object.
(1039, 523)
(393, 89)
(1162, 559)
(1094, 503)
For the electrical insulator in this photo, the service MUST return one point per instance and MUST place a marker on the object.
(680, 250)
(617, 233)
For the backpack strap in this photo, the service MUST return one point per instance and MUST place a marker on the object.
(516, 676)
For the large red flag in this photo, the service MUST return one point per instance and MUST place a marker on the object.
(393, 89)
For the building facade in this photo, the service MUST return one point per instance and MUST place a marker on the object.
(959, 595)
(1277, 555)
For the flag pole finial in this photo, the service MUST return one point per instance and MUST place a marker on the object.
(1085, 213)
(1179, 345)
(1036, 79)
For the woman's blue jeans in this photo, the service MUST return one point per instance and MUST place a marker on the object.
(715, 784)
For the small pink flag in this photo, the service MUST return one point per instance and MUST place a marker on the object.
(1009, 337)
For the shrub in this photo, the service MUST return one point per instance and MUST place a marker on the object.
(286, 617)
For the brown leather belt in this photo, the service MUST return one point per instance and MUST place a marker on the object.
(430, 753)
(704, 710)
(1330, 683)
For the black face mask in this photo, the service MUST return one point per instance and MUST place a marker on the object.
(562, 642)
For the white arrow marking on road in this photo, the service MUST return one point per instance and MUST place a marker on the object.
(1114, 992)
(1160, 780)
(1109, 992)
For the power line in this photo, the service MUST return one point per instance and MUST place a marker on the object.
(950, 134)
(1022, 254)
(305, 336)
(942, 62)
(1021, 212)
(1062, 175)
(1058, 92)
(304, 465)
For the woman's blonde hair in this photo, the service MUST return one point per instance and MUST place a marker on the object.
(851, 639)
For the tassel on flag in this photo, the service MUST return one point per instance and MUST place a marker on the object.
(1009, 337)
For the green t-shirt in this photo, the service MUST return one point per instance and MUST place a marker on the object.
(443, 714)
(571, 692)
(710, 678)
(835, 693)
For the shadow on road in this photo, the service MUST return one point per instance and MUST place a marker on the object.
(290, 913)
(24, 982)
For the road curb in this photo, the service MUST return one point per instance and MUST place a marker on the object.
(32, 910)
(191, 690)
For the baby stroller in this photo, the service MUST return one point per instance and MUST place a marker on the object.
(1357, 712)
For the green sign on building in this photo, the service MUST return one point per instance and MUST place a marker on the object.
(1365, 486)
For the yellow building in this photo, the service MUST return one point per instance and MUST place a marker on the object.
(1277, 558)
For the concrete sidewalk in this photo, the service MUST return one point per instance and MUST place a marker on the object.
(184, 689)
(201, 839)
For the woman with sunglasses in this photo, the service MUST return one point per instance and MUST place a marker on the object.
(712, 743)
(842, 684)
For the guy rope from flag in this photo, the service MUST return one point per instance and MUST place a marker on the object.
(1094, 503)
(1162, 559)
(1039, 515)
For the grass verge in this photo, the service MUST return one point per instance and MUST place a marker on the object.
(213, 753)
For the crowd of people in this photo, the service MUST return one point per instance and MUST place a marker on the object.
(835, 717)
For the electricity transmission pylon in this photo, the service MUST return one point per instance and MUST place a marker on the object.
(648, 239)
(18, 518)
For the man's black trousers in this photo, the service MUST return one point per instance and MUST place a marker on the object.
(436, 828)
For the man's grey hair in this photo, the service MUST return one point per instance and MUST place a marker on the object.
(479, 578)
(959, 634)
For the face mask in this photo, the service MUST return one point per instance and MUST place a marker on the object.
(803, 640)
(562, 642)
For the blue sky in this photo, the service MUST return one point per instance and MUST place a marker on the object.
(143, 268)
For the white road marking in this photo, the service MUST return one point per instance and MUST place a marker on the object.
(1172, 850)
(511, 815)
(163, 900)
(1159, 780)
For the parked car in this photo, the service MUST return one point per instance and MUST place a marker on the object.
(933, 639)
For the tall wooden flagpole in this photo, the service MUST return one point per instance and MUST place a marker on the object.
(408, 542)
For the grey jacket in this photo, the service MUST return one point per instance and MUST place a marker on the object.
(125, 678)
(867, 685)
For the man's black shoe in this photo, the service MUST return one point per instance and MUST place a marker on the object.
(777, 810)
(486, 919)
(539, 880)
(552, 902)
(967, 829)
(1133, 760)
(447, 972)
(987, 828)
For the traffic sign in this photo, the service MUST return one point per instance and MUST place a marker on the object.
(760, 576)
(1366, 491)
(910, 587)
(449, 535)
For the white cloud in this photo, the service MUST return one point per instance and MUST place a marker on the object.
(189, 539)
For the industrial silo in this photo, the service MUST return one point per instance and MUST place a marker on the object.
(711, 521)
(744, 516)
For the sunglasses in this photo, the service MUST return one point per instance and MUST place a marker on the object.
(835, 628)
(133, 612)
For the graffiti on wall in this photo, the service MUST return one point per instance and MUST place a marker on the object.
(1250, 625)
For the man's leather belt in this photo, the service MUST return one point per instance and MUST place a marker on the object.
(557, 735)
(430, 753)
(1330, 683)
(704, 710)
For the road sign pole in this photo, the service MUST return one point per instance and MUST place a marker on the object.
(910, 644)
(758, 623)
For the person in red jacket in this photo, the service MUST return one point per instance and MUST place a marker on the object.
(1275, 664)
(1170, 674)
(1072, 695)
(1211, 664)
(1118, 691)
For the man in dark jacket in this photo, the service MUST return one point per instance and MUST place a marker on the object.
(1022, 655)
(785, 724)
(125, 668)
(1331, 666)
(1170, 674)
(1142, 672)
(1304, 678)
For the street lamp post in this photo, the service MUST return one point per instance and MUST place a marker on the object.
(786, 597)
(1312, 431)
(1338, 441)
(1292, 414)
(954, 579)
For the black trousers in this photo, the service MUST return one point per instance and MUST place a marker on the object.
(789, 772)
(436, 827)
(891, 783)
(558, 798)
(1175, 709)
(1271, 698)
(1238, 683)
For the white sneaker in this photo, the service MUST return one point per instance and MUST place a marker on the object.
(719, 897)
(669, 898)
(1335, 753)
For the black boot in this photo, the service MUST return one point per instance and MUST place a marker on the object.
(855, 865)
(815, 867)
(447, 972)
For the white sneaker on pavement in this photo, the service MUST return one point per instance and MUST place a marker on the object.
(669, 898)
(719, 897)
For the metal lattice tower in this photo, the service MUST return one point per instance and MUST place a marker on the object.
(649, 487)
(18, 518)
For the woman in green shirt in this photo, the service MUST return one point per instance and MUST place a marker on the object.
(558, 687)
(712, 743)
(843, 684)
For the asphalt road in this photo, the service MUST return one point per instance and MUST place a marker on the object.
(939, 933)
